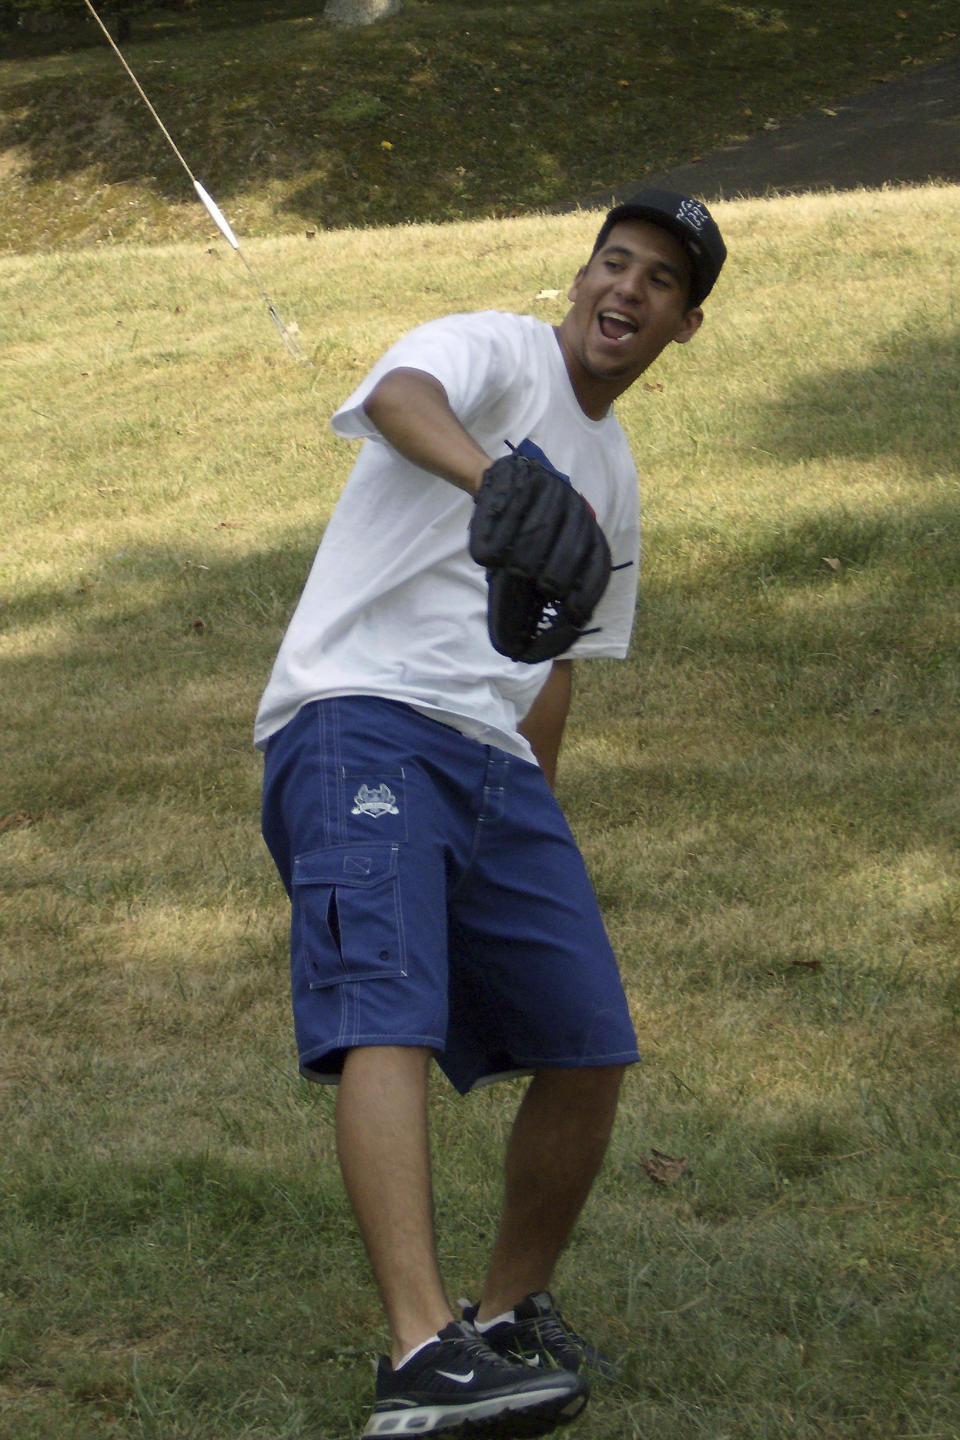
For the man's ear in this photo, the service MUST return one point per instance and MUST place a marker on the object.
(689, 325)
(572, 292)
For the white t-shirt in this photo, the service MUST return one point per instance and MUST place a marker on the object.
(393, 605)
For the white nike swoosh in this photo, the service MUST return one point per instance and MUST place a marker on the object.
(460, 1379)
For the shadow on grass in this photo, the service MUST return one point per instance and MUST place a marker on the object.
(781, 1227)
(190, 648)
(399, 122)
(445, 111)
(797, 1261)
(152, 680)
(189, 1297)
(31, 36)
(876, 576)
(903, 401)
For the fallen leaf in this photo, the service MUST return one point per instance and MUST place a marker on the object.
(662, 1169)
(807, 964)
(7, 822)
(835, 565)
(548, 295)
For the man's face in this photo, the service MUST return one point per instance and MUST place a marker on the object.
(629, 302)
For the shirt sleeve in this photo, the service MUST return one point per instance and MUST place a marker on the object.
(472, 356)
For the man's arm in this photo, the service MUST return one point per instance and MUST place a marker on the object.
(544, 722)
(411, 411)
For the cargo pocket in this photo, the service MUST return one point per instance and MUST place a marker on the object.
(347, 924)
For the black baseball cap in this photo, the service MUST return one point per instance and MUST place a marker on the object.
(689, 220)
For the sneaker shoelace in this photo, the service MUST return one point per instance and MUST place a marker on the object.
(554, 1333)
(476, 1349)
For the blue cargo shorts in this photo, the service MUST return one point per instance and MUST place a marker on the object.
(438, 900)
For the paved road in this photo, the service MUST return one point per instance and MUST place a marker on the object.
(904, 132)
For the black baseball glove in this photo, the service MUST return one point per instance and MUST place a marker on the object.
(547, 560)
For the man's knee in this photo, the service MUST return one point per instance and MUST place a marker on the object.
(586, 1089)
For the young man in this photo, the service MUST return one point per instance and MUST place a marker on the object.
(440, 905)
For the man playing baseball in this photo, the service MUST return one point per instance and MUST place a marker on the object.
(486, 538)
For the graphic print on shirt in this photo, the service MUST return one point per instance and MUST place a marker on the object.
(531, 451)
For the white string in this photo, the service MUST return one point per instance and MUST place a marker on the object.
(210, 205)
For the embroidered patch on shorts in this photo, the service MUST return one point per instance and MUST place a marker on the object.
(375, 801)
(373, 807)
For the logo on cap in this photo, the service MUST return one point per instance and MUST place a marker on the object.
(693, 214)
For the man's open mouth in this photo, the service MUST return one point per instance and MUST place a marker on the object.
(615, 326)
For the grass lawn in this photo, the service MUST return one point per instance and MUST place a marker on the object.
(453, 109)
(767, 794)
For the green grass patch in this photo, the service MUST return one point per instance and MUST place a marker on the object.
(449, 110)
(766, 793)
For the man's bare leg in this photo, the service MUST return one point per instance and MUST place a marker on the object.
(384, 1150)
(556, 1147)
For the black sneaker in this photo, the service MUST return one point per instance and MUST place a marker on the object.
(460, 1383)
(538, 1335)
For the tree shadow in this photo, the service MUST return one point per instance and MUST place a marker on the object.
(903, 402)
(29, 34)
(416, 119)
(188, 646)
(81, 114)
